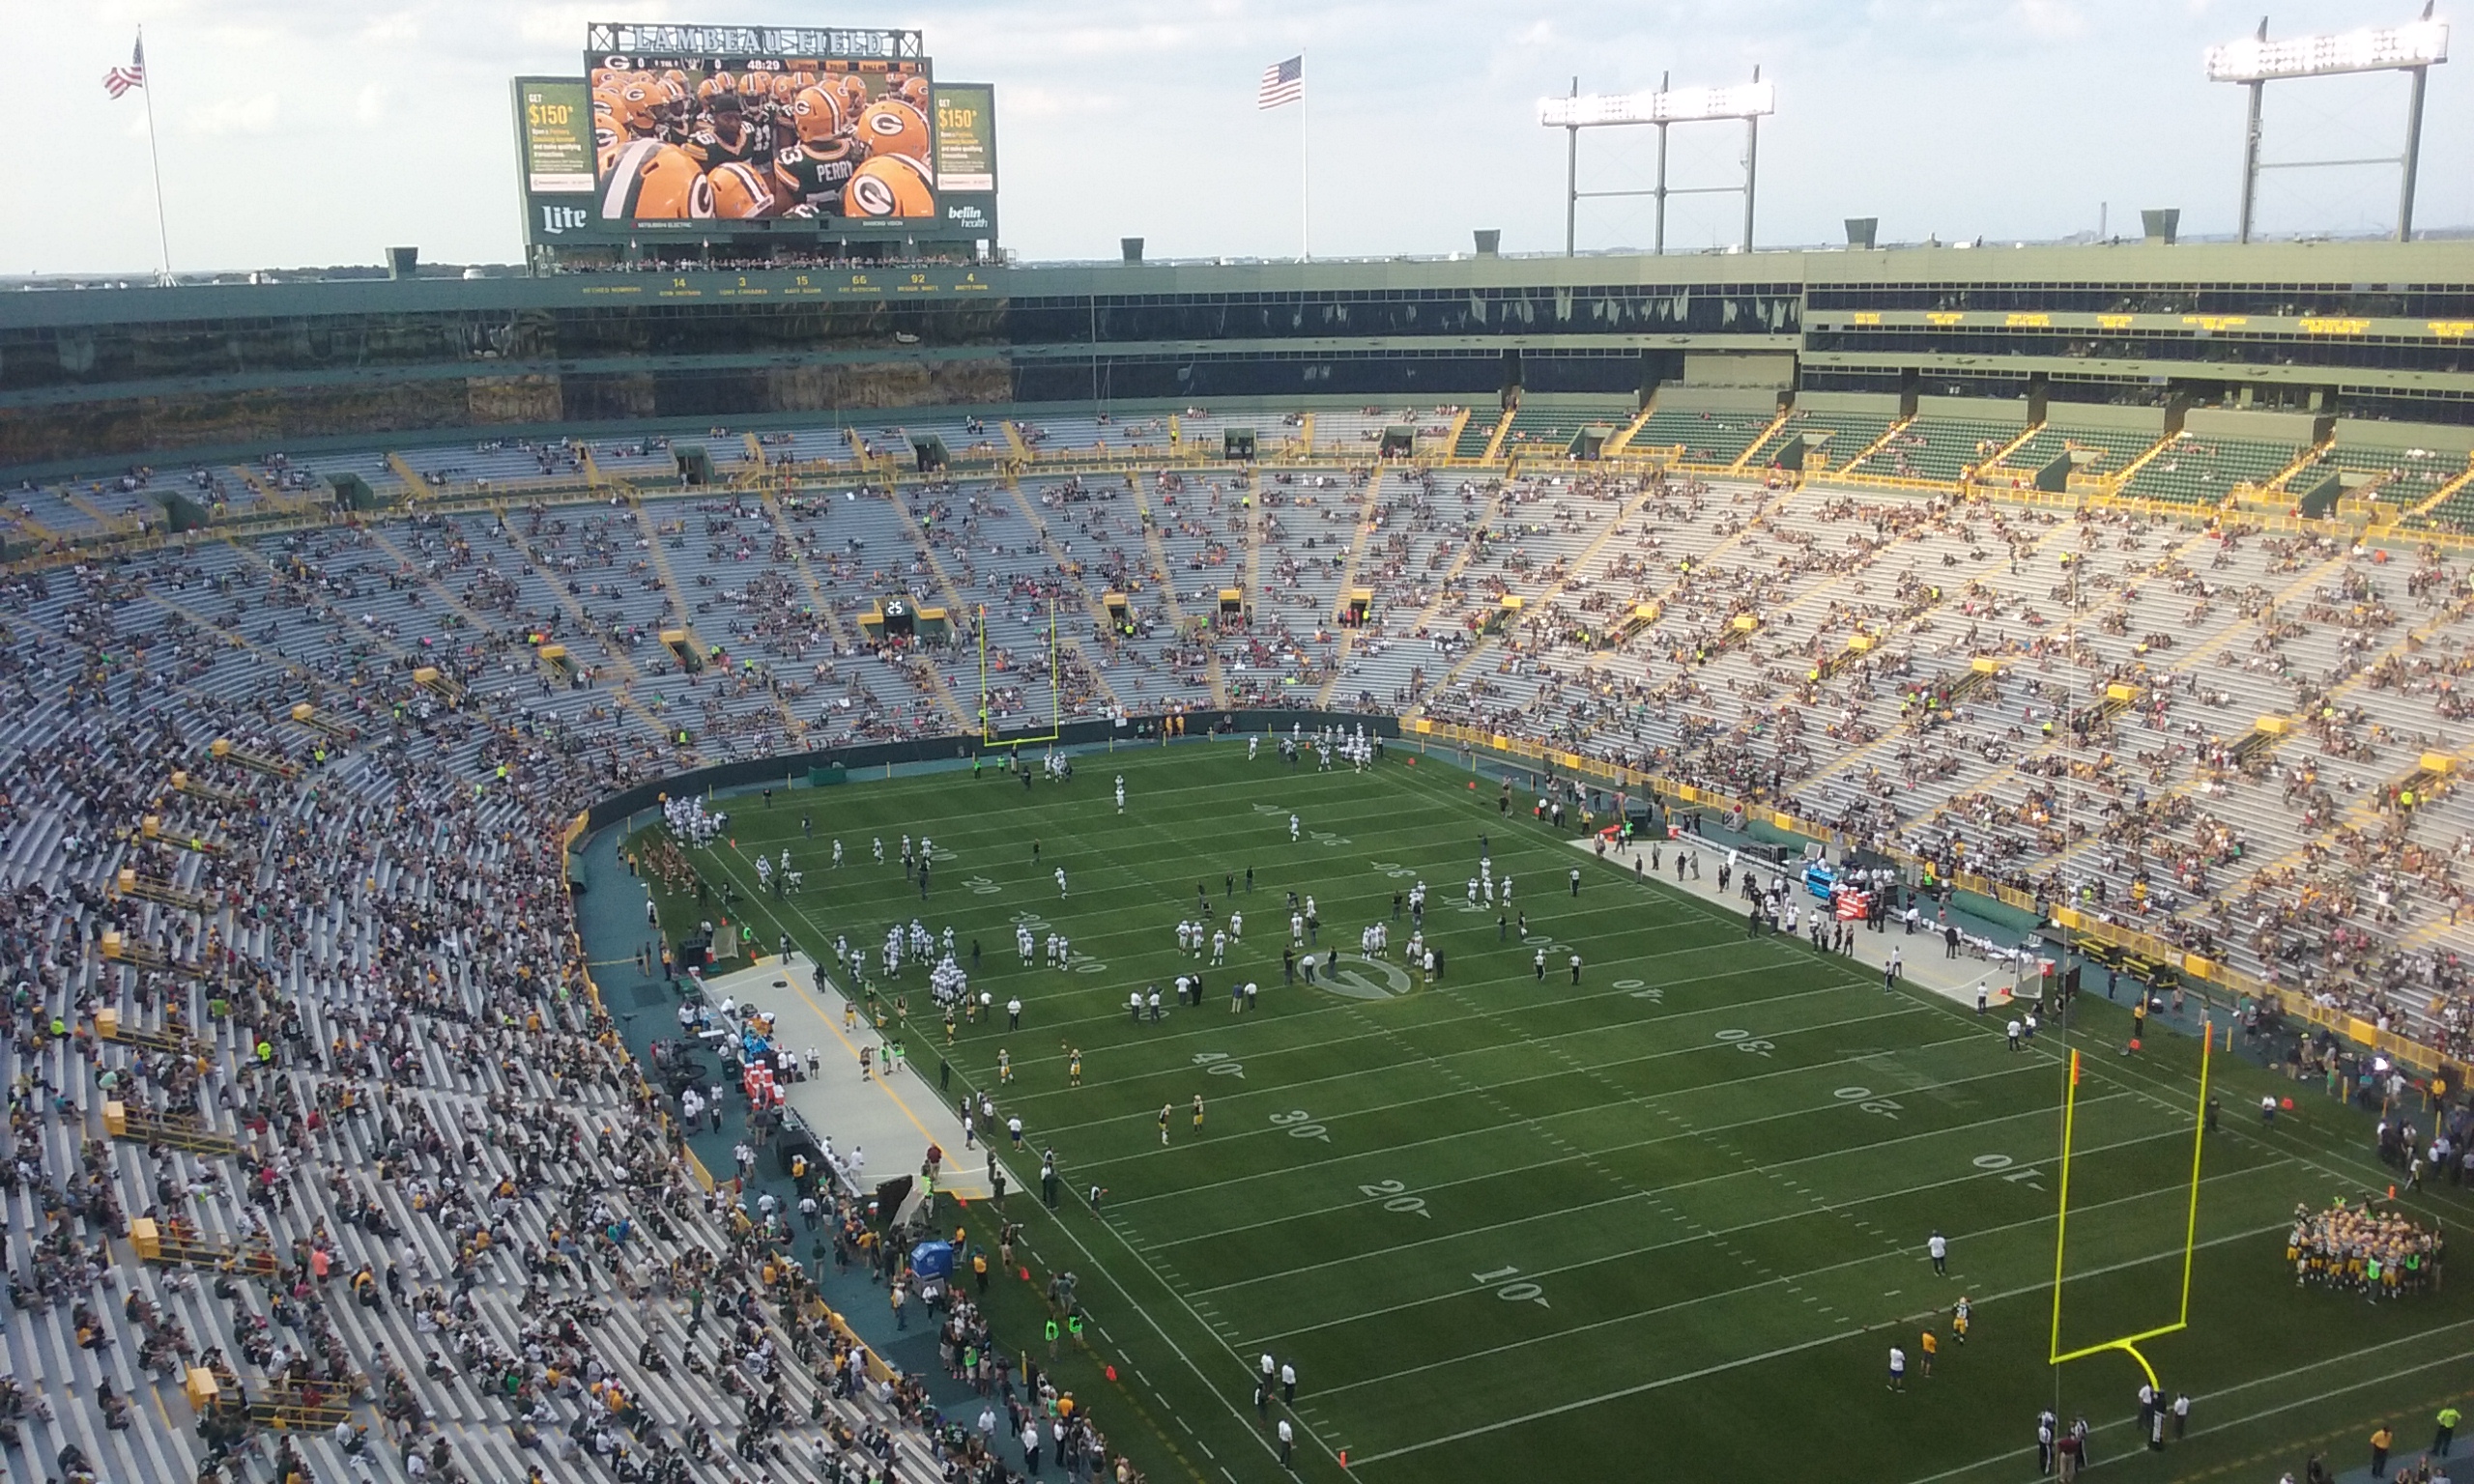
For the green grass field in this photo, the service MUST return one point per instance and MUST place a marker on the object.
(1668, 1221)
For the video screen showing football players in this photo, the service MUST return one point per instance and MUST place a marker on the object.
(740, 140)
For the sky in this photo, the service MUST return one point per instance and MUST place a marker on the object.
(312, 132)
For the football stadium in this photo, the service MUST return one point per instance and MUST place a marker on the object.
(777, 845)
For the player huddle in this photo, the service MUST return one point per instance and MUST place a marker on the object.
(802, 142)
(2381, 1254)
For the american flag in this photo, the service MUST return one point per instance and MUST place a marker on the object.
(1284, 82)
(120, 79)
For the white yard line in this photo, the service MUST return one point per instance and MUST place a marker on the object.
(2384, 1377)
(1614, 1149)
(1583, 1404)
(1523, 1123)
(1749, 1226)
(1287, 1088)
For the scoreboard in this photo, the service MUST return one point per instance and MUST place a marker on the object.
(775, 143)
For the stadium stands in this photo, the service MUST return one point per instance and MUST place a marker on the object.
(1552, 425)
(2092, 451)
(1821, 436)
(2234, 733)
(2205, 467)
(1940, 449)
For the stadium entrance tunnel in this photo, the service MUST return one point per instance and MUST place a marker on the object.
(1355, 977)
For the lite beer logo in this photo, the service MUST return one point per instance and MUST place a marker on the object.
(557, 220)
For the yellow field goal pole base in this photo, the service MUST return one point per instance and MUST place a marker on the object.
(988, 736)
(2129, 1344)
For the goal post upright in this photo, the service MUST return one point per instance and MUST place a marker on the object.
(2129, 1344)
(1055, 689)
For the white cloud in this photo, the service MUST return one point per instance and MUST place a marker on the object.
(1027, 104)
(562, 25)
(393, 30)
(1137, 118)
(2051, 20)
(251, 115)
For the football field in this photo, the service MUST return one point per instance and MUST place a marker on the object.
(1676, 1211)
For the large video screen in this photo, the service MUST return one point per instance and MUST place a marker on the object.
(682, 140)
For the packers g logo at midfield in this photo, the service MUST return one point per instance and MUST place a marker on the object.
(1355, 977)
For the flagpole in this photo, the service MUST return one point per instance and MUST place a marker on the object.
(1305, 169)
(154, 161)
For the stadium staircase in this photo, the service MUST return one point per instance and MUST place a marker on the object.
(799, 563)
(1997, 460)
(167, 1131)
(108, 1025)
(413, 481)
(1897, 426)
(1358, 540)
(677, 610)
(917, 537)
(1156, 547)
(2454, 489)
(1069, 572)
(1622, 438)
(2122, 477)
(2305, 460)
(1744, 460)
(96, 513)
(2058, 743)
(1494, 445)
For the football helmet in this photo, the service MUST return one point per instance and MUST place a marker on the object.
(915, 92)
(671, 109)
(855, 92)
(650, 180)
(889, 185)
(892, 126)
(637, 107)
(817, 114)
(739, 190)
(717, 86)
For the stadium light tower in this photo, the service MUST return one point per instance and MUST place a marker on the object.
(2257, 61)
(1664, 107)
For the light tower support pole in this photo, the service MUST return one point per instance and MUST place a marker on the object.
(2413, 156)
(1751, 166)
(2251, 157)
(1666, 80)
(1571, 174)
